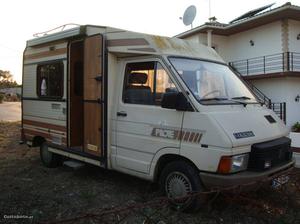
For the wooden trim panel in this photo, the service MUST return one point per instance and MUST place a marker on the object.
(46, 54)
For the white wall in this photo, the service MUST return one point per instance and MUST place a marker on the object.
(267, 40)
(219, 42)
(198, 38)
(283, 90)
(294, 30)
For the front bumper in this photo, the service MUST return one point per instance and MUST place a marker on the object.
(246, 178)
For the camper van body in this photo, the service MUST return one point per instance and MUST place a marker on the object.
(74, 104)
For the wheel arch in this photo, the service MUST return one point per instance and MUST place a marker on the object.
(38, 141)
(166, 159)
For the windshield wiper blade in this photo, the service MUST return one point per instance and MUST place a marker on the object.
(214, 98)
(240, 102)
(244, 98)
(224, 98)
(241, 98)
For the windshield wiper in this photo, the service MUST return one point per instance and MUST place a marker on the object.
(245, 98)
(240, 102)
(241, 98)
(223, 98)
(214, 98)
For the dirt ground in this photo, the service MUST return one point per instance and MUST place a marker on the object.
(10, 111)
(63, 195)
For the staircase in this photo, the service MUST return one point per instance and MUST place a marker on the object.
(278, 108)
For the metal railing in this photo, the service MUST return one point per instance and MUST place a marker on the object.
(259, 94)
(293, 61)
(280, 110)
(275, 63)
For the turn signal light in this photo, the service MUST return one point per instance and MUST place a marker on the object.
(225, 164)
(233, 164)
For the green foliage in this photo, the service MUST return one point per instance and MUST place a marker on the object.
(6, 80)
(296, 127)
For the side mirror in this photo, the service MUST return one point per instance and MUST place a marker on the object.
(175, 100)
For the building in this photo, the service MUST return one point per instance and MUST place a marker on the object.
(263, 45)
(11, 91)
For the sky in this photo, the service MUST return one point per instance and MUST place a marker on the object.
(19, 20)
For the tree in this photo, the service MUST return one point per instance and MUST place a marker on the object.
(5, 75)
(6, 79)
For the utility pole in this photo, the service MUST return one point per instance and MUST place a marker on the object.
(209, 8)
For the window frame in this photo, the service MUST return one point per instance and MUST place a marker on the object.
(150, 60)
(38, 80)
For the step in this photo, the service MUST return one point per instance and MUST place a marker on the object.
(297, 158)
(75, 165)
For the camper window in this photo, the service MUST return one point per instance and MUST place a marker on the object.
(145, 83)
(50, 80)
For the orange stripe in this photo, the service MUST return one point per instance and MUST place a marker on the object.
(295, 149)
(200, 136)
(42, 134)
(196, 137)
(45, 125)
(46, 54)
(191, 137)
(186, 137)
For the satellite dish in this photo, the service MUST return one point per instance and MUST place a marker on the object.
(189, 15)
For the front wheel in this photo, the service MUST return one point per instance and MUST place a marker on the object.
(179, 181)
(48, 158)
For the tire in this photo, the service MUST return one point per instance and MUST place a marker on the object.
(49, 159)
(179, 179)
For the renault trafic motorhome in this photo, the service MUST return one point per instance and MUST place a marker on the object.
(158, 108)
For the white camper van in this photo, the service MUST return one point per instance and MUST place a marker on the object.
(162, 109)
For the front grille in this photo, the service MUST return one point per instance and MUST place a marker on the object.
(269, 154)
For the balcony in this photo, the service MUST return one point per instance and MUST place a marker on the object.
(274, 65)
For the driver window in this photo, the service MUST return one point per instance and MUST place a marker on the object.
(146, 83)
(163, 84)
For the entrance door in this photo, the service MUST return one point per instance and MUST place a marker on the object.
(92, 95)
(76, 95)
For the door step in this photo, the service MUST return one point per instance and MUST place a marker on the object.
(75, 165)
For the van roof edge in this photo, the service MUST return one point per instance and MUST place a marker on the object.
(77, 31)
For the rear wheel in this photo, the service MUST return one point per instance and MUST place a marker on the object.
(48, 158)
(179, 180)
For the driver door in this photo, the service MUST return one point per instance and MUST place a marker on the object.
(143, 126)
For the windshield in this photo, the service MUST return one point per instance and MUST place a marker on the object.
(212, 83)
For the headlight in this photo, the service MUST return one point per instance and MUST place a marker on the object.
(233, 164)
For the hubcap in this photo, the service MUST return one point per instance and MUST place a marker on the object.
(177, 187)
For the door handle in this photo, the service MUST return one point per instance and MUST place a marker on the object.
(121, 114)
